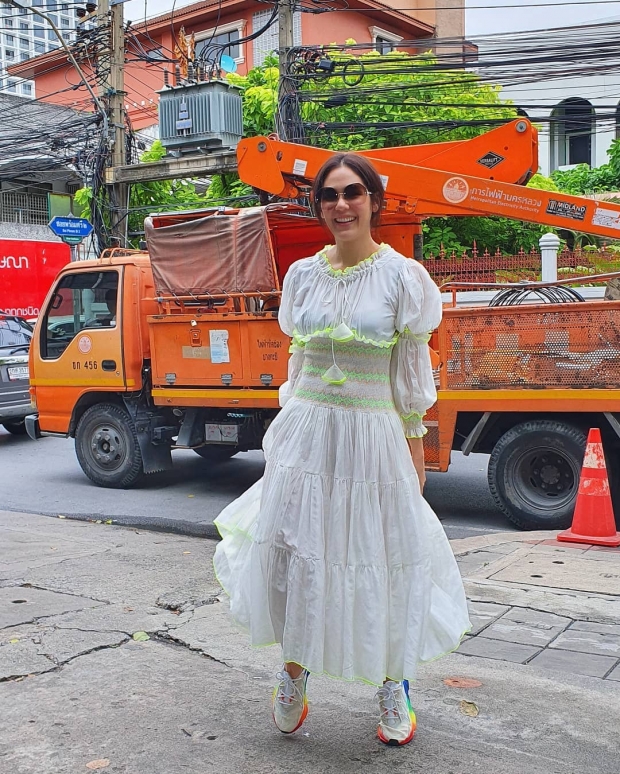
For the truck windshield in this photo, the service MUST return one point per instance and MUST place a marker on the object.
(82, 300)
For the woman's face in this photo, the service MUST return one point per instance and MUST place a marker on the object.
(347, 219)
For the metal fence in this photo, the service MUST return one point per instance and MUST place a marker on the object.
(475, 266)
(31, 209)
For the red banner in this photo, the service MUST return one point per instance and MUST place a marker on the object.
(27, 270)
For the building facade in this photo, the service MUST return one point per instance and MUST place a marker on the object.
(231, 22)
(26, 35)
(579, 118)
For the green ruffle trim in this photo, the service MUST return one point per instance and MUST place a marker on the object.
(424, 338)
(350, 269)
(300, 341)
(419, 431)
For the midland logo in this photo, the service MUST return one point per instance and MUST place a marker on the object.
(490, 160)
(455, 190)
(566, 210)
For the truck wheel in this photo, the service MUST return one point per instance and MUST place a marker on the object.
(216, 453)
(15, 428)
(534, 473)
(107, 446)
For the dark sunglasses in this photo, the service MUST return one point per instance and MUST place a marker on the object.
(352, 193)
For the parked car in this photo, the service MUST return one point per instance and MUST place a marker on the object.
(15, 336)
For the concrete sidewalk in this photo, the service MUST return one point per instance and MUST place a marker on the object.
(82, 682)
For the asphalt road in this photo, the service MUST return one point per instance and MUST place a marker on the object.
(44, 477)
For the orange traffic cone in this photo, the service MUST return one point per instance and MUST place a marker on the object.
(593, 520)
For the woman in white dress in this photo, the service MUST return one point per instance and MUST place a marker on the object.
(334, 554)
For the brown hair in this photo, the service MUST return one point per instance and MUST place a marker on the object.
(364, 170)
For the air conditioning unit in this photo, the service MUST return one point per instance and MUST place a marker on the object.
(200, 116)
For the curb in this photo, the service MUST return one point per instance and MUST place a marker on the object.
(151, 523)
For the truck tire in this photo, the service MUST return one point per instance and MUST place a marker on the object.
(216, 453)
(107, 446)
(15, 428)
(534, 473)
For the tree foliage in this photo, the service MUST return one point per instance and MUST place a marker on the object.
(583, 179)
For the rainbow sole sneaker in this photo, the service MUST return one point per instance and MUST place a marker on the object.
(397, 723)
(290, 703)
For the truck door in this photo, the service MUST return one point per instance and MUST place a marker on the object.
(80, 344)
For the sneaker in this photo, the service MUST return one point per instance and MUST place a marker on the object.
(397, 723)
(290, 704)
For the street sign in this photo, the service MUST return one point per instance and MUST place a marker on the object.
(71, 229)
(72, 240)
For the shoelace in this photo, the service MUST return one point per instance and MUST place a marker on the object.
(391, 703)
(288, 690)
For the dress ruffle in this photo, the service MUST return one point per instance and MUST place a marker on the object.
(336, 555)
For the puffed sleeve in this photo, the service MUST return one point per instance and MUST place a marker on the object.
(285, 320)
(418, 314)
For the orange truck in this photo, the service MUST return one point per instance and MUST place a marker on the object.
(137, 354)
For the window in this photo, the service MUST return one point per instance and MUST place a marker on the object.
(384, 41)
(8, 54)
(39, 32)
(10, 38)
(12, 85)
(220, 36)
(24, 26)
(80, 301)
(24, 56)
(267, 43)
(23, 11)
(65, 6)
(37, 3)
(51, 35)
(39, 48)
(53, 18)
(572, 133)
(64, 22)
(8, 22)
(27, 88)
(24, 43)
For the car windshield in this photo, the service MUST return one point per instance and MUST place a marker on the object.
(14, 333)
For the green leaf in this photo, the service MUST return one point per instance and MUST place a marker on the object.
(140, 636)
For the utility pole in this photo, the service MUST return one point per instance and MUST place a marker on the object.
(285, 44)
(110, 15)
(285, 38)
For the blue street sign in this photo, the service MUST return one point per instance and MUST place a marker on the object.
(68, 226)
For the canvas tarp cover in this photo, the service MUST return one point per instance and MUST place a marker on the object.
(215, 254)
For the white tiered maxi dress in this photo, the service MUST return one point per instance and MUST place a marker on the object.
(334, 553)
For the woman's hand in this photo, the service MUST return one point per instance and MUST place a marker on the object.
(416, 446)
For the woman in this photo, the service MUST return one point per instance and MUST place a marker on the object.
(335, 554)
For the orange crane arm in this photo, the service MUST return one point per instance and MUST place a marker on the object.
(508, 153)
(481, 176)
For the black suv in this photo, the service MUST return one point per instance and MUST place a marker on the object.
(15, 336)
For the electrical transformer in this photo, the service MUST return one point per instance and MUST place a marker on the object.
(200, 116)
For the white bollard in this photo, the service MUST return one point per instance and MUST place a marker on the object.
(549, 246)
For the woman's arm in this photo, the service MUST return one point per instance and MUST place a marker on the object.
(416, 446)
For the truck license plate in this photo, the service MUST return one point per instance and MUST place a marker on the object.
(17, 372)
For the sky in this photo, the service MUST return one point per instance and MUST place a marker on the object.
(531, 15)
(479, 21)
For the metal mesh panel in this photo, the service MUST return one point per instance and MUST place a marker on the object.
(535, 347)
(23, 208)
(431, 439)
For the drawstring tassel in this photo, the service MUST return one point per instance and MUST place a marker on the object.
(342, 333)
(334, 375)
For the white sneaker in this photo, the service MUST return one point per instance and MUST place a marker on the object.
(397, 723)
(290, 703)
